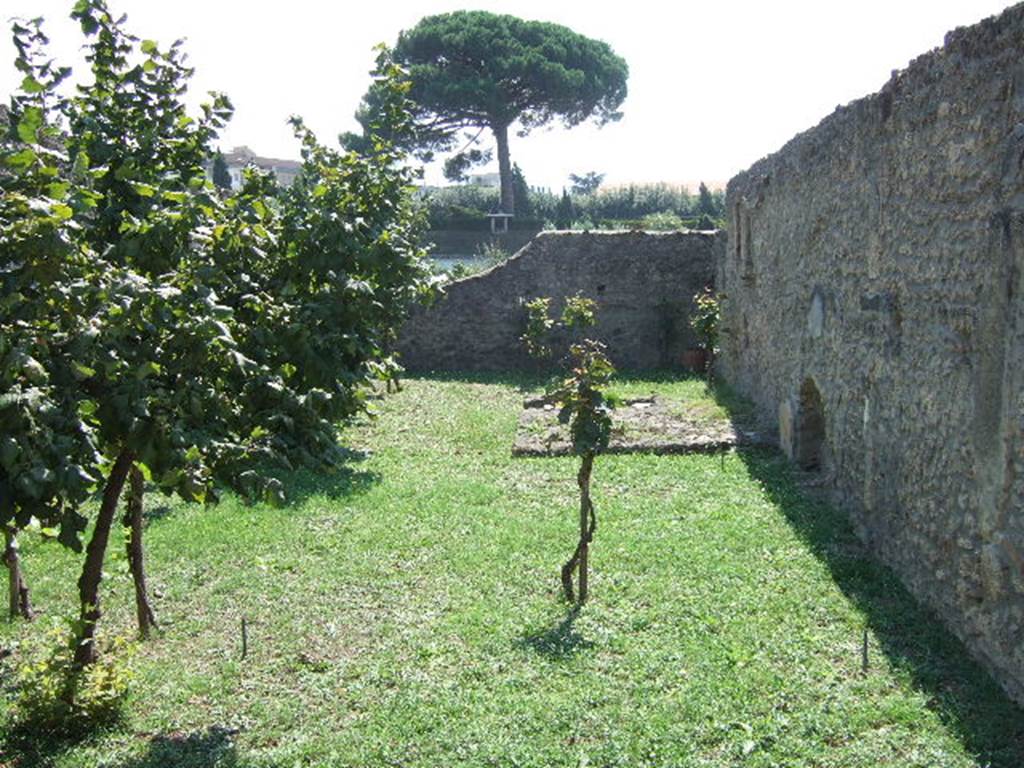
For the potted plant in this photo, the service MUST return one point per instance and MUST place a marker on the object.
(705, 325)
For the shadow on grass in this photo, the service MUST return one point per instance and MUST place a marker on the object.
(912, 638)
(212, 748)
(339, 482)
(31, 744)
(558, 642)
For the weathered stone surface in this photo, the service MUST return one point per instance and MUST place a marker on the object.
(651, 425)
(879, 258)
(643, 284)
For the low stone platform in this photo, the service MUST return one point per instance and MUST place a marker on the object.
(647, 425)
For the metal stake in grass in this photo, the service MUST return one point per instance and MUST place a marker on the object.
(864, 653)
(245, 639)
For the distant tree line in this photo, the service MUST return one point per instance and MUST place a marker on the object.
(647, 206)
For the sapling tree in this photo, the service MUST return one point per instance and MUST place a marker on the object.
(158, 370)
(588, 413)
(48, 456)
(579, 396)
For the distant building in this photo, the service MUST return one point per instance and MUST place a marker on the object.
(240, 158)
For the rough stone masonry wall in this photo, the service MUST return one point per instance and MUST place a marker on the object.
(876, 262)
(643, 283)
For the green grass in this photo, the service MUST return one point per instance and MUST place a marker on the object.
(405, 612)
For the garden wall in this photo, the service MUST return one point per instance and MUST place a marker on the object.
(466, 242)
(874, 303)
(643, 283)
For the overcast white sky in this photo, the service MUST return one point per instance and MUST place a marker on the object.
(714, 85)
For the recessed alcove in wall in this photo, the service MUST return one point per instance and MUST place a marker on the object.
(810, 427)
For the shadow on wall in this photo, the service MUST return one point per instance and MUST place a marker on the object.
(913, 639)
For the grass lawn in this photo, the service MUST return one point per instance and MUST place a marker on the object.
(406, 612)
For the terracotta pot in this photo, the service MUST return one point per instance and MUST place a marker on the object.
(695, 360)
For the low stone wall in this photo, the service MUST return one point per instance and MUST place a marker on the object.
(643, 283)
(875, 302)
(467, 242)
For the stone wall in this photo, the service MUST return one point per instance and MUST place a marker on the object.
(874, 302)
(465, 242)
(643, 283)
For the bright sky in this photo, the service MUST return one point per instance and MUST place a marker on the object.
(713, 85)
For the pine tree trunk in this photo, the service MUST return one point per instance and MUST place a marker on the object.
(92, 568)
(18, 599)
(136, 554)
(507, 204)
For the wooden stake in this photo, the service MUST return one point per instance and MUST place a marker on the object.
(245, 639)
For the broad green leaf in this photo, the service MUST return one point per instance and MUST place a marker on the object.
(29, 125)
(30, 85)
(82, 372)
(19, 161)
(62, 211)
(57, 189)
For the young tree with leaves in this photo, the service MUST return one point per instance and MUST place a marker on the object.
(48, 456)
(584, 407)
(159, 372)
(211, 335)
(484, 71)
(579, 396)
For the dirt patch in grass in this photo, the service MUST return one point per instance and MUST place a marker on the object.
(640, 425)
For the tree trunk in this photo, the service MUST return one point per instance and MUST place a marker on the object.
(588, 524)
(586, 516)
(18, 601)
(507, 204)
(92, 568)
(136, 555)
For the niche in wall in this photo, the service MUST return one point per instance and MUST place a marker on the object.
(809, 435)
